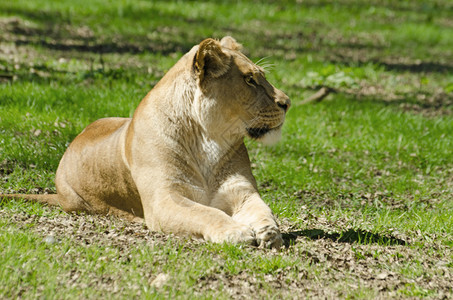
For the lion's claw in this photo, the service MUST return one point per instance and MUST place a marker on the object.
(269, 237)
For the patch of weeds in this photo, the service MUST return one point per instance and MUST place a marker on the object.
(231, 251)
(358, 254)
(273, 264)
(448, 243)
(331, 77)
(412, 290)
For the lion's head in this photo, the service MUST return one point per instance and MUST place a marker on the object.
(233, 97)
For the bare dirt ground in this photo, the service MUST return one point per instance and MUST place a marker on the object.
(336, 257)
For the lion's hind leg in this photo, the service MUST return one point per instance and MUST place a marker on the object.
(71, 201)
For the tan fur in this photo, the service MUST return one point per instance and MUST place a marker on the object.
(180, 162)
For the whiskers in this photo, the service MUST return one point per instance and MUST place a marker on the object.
(265, 64)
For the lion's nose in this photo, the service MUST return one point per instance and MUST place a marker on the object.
(284, 103)
(283, 106)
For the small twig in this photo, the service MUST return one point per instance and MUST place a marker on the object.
(7, 76)
(318, 96)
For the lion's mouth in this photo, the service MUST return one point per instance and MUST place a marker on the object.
(256, 133)
(266, 135)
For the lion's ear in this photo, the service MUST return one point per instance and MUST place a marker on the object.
(229, 42)
(211, 60)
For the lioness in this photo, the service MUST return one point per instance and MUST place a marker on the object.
(180, 162)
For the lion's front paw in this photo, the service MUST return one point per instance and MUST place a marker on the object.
(237, 233)
(269, 237)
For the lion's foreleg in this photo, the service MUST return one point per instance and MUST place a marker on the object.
(240, 199)
(173, 213)
(258, 215)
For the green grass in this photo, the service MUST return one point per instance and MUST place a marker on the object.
(367, 167)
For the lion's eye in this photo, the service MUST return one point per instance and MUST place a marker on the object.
(250, 81)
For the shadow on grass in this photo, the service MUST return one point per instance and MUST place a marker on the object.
(429, 103)
(349, 236)
(415, 66)
(57, 32)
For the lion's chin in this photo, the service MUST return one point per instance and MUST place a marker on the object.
(272, 137)
(265, 135)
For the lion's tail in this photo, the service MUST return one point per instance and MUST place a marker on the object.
(50, 199)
